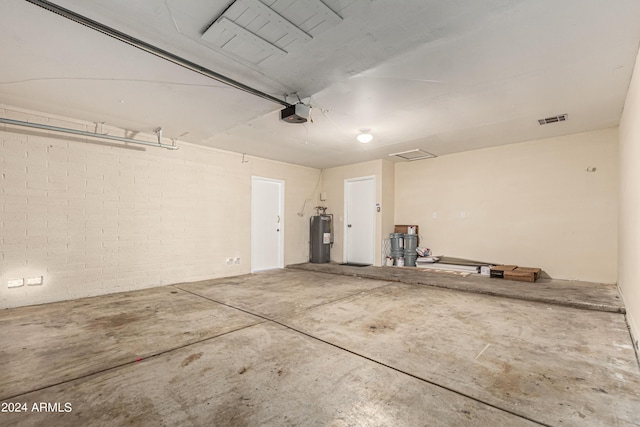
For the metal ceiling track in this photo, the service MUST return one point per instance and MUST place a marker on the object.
(118, 35)
(158, 131)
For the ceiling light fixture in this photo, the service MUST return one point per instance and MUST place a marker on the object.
(364, 136)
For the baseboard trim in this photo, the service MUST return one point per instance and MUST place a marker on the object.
(632, 325)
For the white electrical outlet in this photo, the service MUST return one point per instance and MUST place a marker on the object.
(463, 214)
(15, 283)
(237, 260)
(434, 215)
(34, 281)
(229, 261)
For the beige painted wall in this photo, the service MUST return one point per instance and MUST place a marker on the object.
(94, 218)
(530, 204)
(333, 185)
(388, 201)
(629, 219)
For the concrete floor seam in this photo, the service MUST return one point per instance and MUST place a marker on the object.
(360, 294)
(138, 360)
(376, 361)
(408, 277)
(579, 306)
(412, 375)
(305, 309)
(347, 349)
(225, 304)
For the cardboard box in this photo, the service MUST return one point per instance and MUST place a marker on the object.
(499, 271)
(404, 229)
(523, 274)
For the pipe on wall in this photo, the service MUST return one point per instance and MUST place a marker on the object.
(89, 134)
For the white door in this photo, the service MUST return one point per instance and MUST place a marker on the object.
(267, 223)
(360, 219)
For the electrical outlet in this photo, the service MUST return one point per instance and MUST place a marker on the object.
(15, 283)
(237, 260)
(434, 215)
(229, 261)
(34, 281)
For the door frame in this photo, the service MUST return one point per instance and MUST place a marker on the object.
(347, 181)
(254, 249)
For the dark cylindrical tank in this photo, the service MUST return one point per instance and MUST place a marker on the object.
(320, 239)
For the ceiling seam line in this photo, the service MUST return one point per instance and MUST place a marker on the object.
(149, 48)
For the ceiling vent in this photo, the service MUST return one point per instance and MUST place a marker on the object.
(554, 119)
(416, 154)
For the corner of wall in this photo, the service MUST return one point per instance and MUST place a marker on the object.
(629, 206)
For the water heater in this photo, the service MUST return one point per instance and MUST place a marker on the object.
(321, 237)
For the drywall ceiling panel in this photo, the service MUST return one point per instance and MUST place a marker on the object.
(242, 42)
(311, 16)
(218, 35)
(338, 5)
(279, 4)
(269, 24)
(236, 10)
(269, 28)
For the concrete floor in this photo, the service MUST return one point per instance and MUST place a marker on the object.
(296, 348)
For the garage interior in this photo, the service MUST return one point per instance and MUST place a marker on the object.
(161, 163)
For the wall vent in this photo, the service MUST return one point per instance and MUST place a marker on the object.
(554, 119)
(416, 154)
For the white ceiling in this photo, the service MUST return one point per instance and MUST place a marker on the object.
(443, 76)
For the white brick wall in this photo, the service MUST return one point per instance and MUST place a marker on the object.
(95, 218)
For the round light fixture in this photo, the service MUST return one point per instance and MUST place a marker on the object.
(365, 137)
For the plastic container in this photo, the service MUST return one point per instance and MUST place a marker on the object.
(397, 242)
(410, 261)
(400, 262)
(410, 243)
